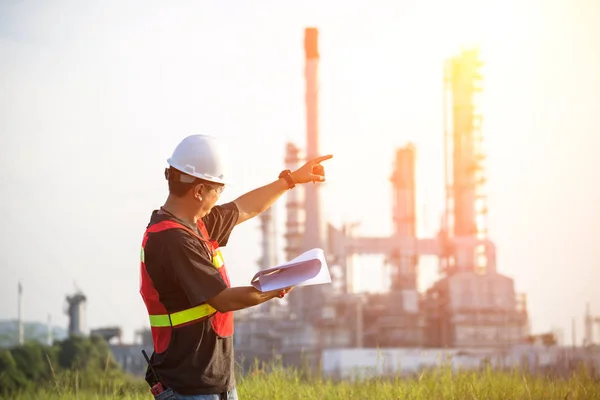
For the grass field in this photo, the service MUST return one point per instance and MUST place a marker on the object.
(438, 384)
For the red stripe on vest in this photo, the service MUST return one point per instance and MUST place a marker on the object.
(222, 323)
(160, 337)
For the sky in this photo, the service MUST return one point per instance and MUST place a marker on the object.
(95, 96)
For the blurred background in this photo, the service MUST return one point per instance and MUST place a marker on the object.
(461, 208)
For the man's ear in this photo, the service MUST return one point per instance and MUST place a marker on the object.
(198, 191)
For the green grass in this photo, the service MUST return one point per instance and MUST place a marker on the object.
(438, 384)
(288, 384)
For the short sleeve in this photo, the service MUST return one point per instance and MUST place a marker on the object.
(193, 271)
(220, 222)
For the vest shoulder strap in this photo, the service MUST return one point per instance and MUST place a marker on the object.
(202, 229)
(169, 224)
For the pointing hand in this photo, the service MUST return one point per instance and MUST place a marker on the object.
(312, 171)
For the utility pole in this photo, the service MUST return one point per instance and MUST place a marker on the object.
(49, 338)
(573, 333)
(20, 315)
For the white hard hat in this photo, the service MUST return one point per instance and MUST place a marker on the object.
(199, 156)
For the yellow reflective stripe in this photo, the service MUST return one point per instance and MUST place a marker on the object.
(182, 317)
(142, 257)
(159, 321)
(218, 260)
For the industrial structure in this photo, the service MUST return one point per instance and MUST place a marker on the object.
(269, 247)
(471, 313)
(470, 306)
(589, 321)
(75, 309)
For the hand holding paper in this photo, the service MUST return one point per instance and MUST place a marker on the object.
(309, 268)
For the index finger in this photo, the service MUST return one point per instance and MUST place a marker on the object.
(322, 158)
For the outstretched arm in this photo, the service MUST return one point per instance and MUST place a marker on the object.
(256, 201)
(259, 200)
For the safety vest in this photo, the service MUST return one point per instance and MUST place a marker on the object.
(161, 322)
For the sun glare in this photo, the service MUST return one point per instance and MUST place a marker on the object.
(402, 96)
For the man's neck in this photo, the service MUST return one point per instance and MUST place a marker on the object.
(180, 210)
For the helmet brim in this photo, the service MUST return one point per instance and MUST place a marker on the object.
(191, 172)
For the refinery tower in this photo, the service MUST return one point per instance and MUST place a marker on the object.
(471, 305)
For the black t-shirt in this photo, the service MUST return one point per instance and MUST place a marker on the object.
(179, 264)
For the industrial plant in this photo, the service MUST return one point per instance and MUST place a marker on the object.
(471, 312)
(472, 309)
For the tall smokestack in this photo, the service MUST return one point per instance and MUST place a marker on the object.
(312, 232)
(49, 338)
(404, 272)
(294, 225)
(269, 255)
(20, 315)
(267, 227)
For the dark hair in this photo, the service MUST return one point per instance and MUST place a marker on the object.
(178, 188)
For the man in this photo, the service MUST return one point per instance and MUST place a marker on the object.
(184, 280)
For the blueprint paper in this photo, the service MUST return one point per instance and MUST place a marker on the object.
(309, 268)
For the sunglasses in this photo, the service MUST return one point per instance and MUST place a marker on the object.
(219, 189)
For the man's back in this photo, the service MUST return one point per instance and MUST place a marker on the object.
(191, 358)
